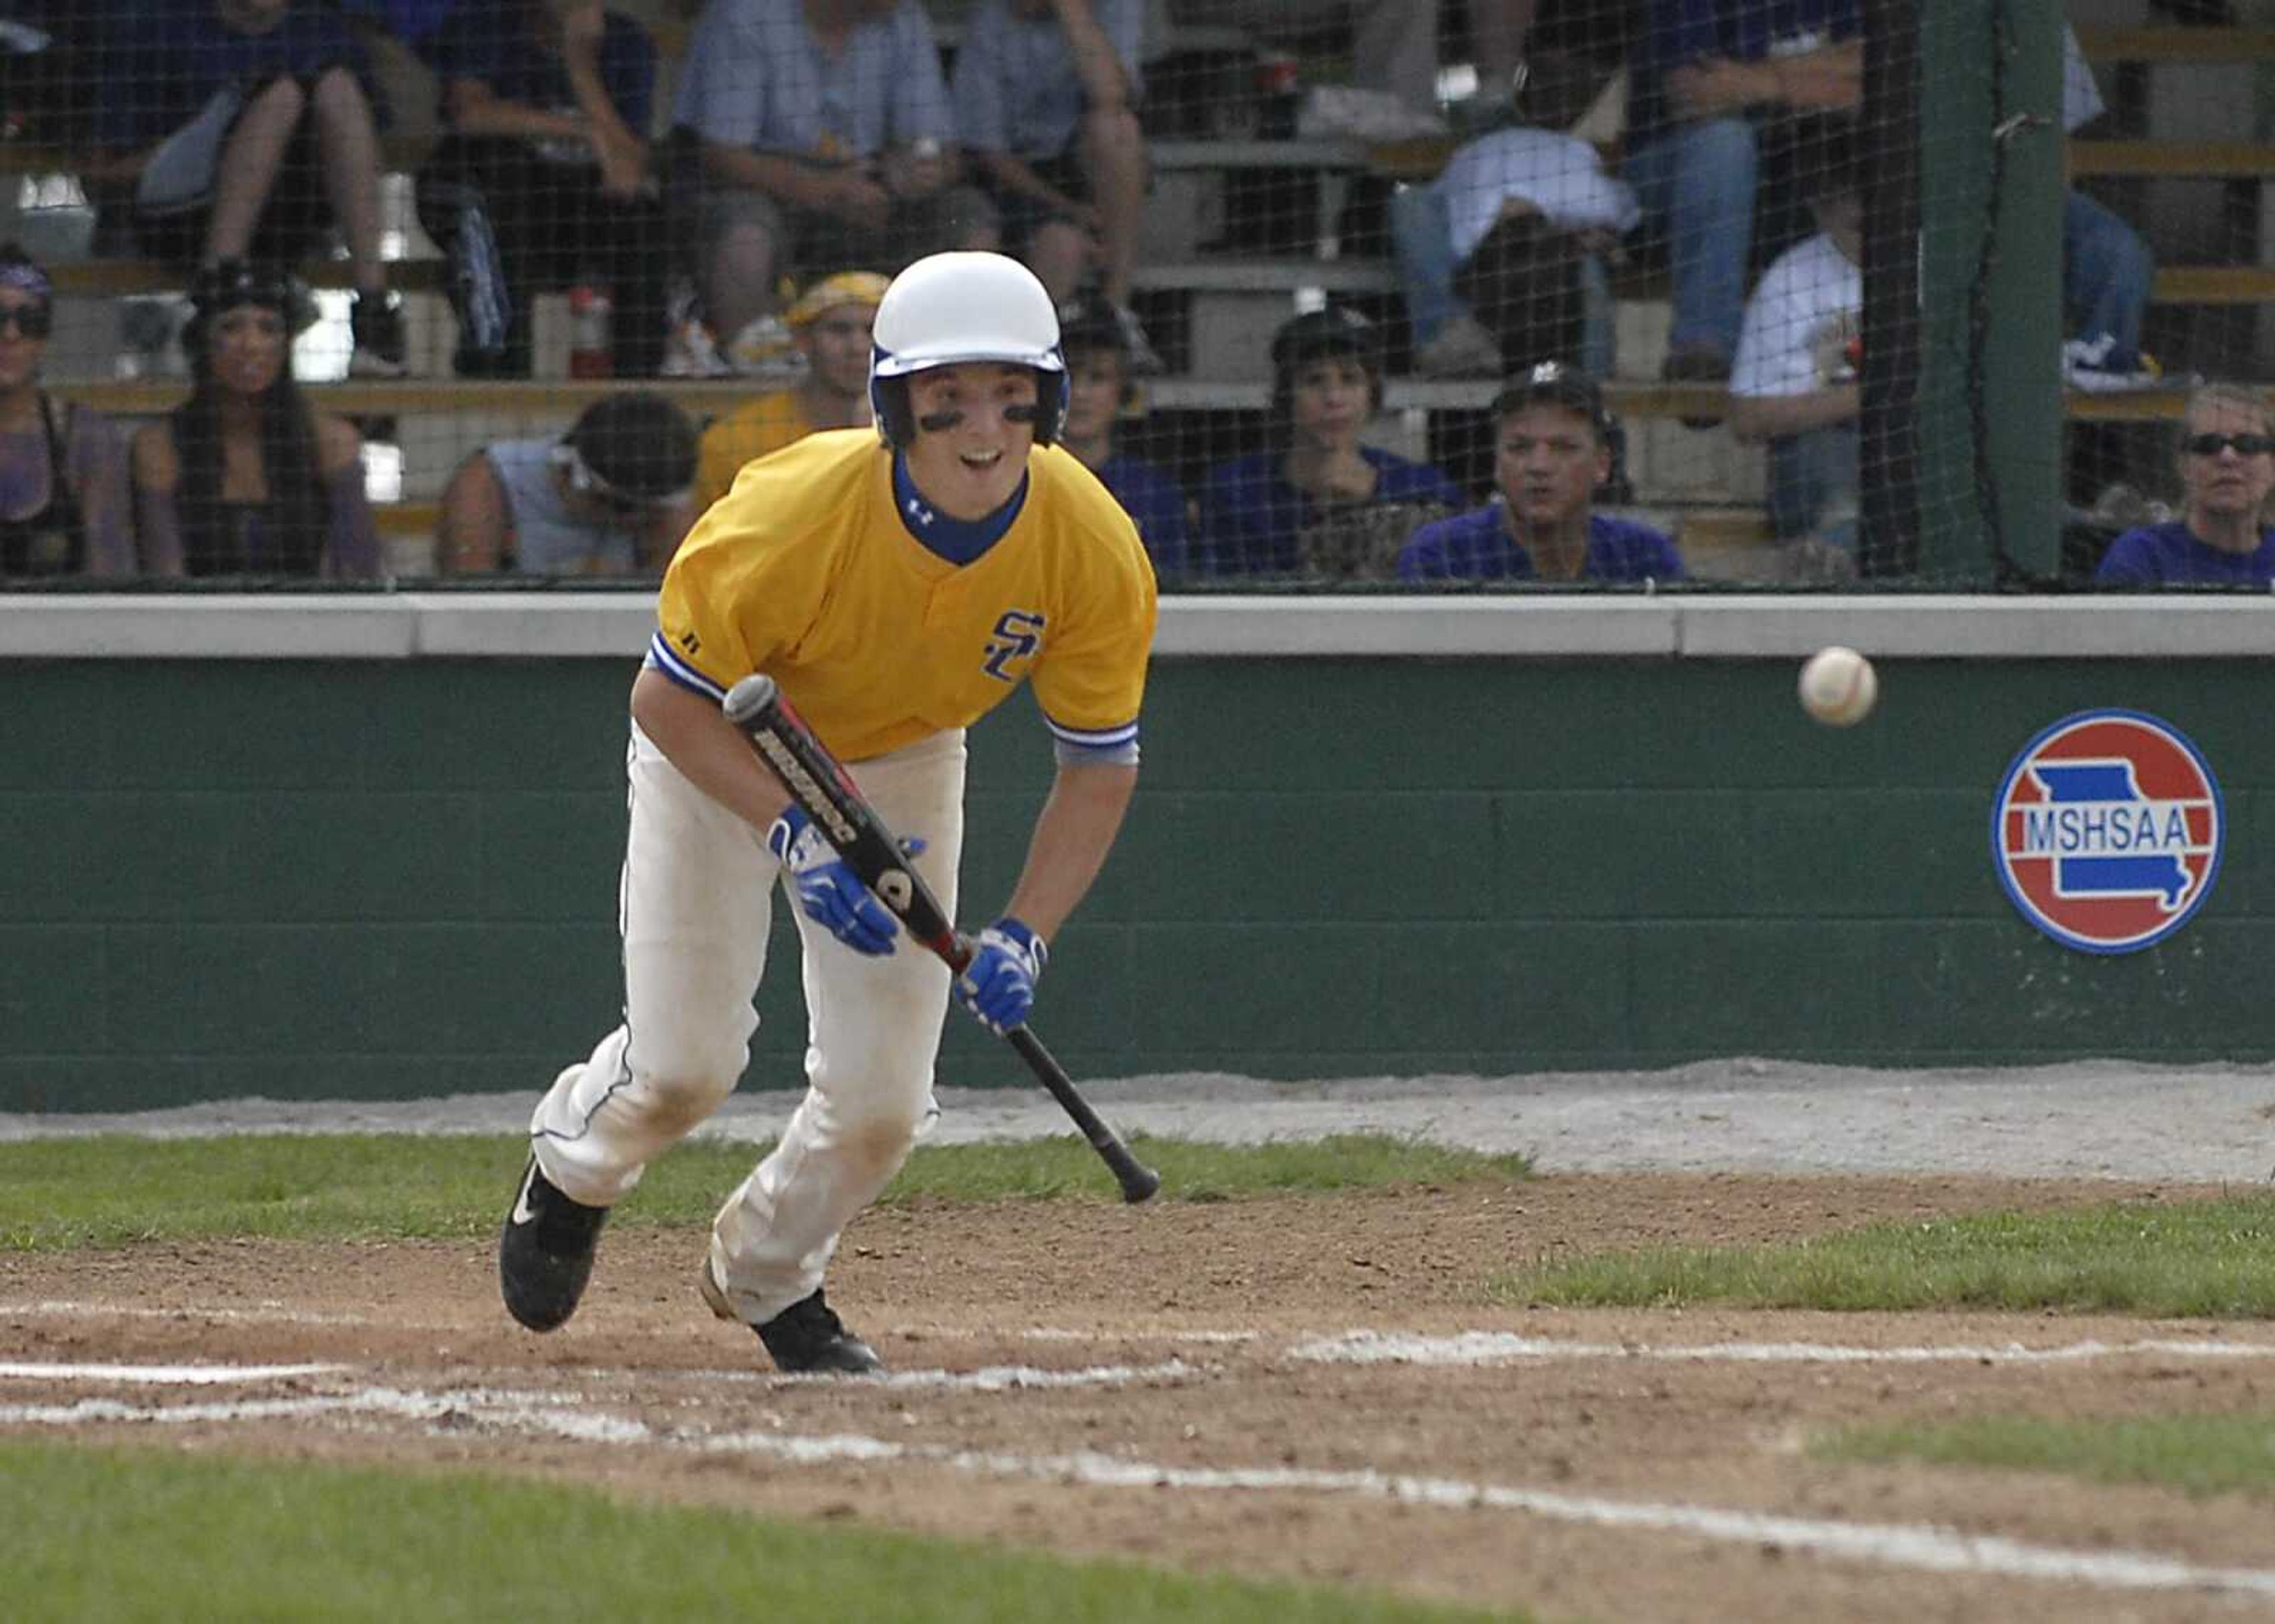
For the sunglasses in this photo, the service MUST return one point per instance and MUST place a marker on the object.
(2213, 445)
(32, 320)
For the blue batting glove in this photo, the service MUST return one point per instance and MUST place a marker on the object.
(828, 892)
(998, 986)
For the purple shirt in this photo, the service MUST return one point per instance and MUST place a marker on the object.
(1156, 502)
(1477, 546)
(480, 45)
(1251, 515)
(94, 467)
(2170, 555)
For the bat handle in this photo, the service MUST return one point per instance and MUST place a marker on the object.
(1139, 1182)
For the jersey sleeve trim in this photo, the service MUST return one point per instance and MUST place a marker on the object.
(1093, 738)
(664, 657)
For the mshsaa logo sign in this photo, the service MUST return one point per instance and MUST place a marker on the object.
(2107, 831)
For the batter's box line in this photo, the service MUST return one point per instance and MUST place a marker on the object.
(1490, 1347)
(1912, 1545)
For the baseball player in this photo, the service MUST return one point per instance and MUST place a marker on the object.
(897, 582)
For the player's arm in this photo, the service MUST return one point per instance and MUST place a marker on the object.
(1073, 833)
(697, 738)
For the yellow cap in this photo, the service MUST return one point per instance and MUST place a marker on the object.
(845, 288)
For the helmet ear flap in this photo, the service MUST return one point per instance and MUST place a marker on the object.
(889, 403)
(1053, 393)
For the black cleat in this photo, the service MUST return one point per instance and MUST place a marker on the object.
(545, 1253)
(806, 1338)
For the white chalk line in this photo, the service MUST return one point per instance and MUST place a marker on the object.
(1913, 1545)
(162, 1375)
(266, 1315)
(1359, 1347)
(1486, 1347)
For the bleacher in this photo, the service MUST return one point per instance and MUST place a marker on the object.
(1213, 306)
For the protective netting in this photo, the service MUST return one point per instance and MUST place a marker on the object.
(1479, 292)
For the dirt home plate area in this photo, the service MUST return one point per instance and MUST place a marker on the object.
(1315, 1387)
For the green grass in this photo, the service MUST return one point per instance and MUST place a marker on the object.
(2199, 1454)
(2189, 1259)
(121, 1537)
(115, 1191)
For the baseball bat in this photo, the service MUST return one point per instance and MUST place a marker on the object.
(827, 795)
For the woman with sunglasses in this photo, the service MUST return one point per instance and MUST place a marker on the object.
(63, 504)
(246, 476)
(2227, 468)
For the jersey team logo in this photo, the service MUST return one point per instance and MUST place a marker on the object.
(2107, 831)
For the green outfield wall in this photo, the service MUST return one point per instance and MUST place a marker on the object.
(1568, 836)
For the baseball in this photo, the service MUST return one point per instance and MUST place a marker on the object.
(1838, 686)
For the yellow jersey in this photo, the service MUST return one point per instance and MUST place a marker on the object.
(807, 570)
(751, 430)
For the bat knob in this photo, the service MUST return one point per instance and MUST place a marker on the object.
(749, 698)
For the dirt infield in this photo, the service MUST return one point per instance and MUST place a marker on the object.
(1310, 1388)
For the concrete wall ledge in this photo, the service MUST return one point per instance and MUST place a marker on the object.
(407, 625)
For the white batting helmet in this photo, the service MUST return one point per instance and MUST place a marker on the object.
(950, 308)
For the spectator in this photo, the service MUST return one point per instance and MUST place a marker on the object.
(543, 181)
(1045, 92)
(2107, 271)
(1101, 386)
(1516, 228)
(245, 478)
(1709, 75)
(609, 497)
(1796, 383)
(63, 503)
(1553, 452)
(830, 326)
(824, 138)
(241, 130)
(2227, 468)
(1322, 505)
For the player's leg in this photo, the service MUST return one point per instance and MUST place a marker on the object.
(694, 911)
(875, 1026)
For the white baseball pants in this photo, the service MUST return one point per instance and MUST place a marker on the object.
(695, 911)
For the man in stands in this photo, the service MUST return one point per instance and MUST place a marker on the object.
(1046, 92)
(829, 326)
(609, 497)
(1553, 451)
(1795, 386)
(823, 138)
(1712, 78)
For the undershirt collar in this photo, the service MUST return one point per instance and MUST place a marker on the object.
(959, 542)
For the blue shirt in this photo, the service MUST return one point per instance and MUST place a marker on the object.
(1251, 515)
(754, 78)
(1679, 31)
(478, 44)
(1155, 501)
(1015, 87)
(161, 61)
(410, 21)
(2170, 555)
(1477, 546)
